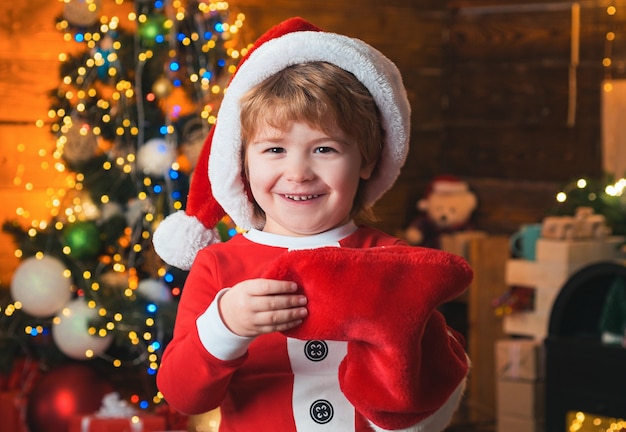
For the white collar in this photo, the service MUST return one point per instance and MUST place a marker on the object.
(327, 238)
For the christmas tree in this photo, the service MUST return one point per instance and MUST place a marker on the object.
(603, 196)
(138, 93)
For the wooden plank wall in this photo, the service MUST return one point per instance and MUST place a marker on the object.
(490, 92)
(410, 33)
(488, 83)
(507, 70)
(29, 49)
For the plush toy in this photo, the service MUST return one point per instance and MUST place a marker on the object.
(447, 207)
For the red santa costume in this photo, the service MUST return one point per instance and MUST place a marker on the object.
(373, 352)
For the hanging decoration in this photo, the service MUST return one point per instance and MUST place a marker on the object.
(574, 59)
(73, 334)
(82, 239)
(613, 100)
(155, 157)
(81, 13)
(41, 285)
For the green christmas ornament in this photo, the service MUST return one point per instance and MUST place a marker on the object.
(83, 239)
(152, 30)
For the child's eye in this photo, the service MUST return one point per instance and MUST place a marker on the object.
(324, 150)
(275, 150)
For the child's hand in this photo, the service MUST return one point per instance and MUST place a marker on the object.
(258, 306)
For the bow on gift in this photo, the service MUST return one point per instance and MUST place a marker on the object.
(114, 407)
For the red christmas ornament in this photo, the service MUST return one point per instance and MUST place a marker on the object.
(68, 390)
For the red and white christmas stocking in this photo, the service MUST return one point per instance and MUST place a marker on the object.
(403, 362)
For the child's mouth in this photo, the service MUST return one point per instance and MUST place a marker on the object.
(300, 197)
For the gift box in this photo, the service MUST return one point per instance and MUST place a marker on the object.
(578, 251)
(10, 411)
(116, 415)
(139, 423)
(175, 420)
(15, 384)
(519, 359)
(521, 399)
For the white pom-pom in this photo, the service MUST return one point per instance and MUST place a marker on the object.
(179, 237)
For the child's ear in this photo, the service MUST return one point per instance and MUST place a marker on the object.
(367, 170)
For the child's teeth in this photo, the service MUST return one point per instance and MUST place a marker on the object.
(301, 197)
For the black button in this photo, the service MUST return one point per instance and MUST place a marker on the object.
(316, 350)
(321, 411)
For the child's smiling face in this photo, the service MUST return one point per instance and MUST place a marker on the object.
(303, 178)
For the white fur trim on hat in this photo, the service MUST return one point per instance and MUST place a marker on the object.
(449, 186)
(375, 71)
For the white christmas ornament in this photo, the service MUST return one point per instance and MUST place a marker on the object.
(70, 331)
(155, 290)
(81, 144)
(110, 210)
(192, 145)
(41, 286)
(156, 157)
(81, 12)
(137, 209)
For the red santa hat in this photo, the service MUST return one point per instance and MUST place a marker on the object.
(446, 183)
(217, 187)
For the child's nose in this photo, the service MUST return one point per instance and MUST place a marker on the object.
(299, 169)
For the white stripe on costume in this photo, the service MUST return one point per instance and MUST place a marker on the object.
(318, 403)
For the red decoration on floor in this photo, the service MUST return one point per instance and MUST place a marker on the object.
(62, 393)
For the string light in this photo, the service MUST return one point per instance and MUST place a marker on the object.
(82, 92)
(609, 41)
(579, 421)
(614, 190)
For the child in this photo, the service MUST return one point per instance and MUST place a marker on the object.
(308, 322)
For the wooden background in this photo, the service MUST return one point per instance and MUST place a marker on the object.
(490, 93)
(488, 83)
